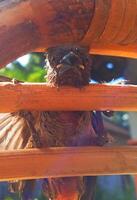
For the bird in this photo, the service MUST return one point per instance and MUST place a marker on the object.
(66, 65)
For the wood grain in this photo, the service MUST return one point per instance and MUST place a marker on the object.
(28, 25)
(128, 23)
(14, 97)
(65, 162)
(128, 51)
(115, 20)
(98, 22)
(132, 36)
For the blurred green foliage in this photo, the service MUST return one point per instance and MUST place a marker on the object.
(33, 71)
(41, 197)
(8, 198)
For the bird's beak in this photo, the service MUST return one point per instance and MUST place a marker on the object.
(69, 61)
(82, 67)
(63, 68)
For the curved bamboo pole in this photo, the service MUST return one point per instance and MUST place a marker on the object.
(106, 27)
(27, 25)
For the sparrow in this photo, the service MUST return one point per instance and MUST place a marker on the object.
(66, 65)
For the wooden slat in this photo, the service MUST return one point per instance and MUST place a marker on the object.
(114, 23)
(14, 97)
(128, 25)
(98, 22)
(129, 51)
(65, 162)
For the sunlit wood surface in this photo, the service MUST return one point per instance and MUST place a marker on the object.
(39, 96)
(64, 162)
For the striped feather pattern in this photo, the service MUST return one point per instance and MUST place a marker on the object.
(12, 131)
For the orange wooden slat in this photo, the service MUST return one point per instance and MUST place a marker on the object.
(65, 162)
(98, 22)
(114, 22)
(129, 51)
(39, 96)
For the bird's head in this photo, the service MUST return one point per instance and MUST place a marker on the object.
(68, 65)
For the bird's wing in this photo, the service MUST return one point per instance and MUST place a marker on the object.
(14, 131)
(14, 128)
